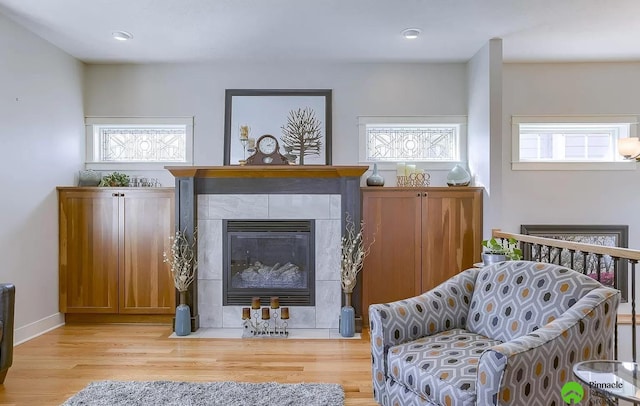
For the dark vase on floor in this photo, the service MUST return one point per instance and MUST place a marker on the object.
(183, 316)
(347, 318)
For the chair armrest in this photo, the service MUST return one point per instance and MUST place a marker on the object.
(583, 332)
(444, 307)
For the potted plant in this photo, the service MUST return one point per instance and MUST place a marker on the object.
(504, 250)
(115, 179)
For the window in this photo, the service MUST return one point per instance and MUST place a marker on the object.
(585, 142)
(138, 142)
(437, 140)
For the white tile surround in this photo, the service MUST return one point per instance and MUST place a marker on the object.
(324, 209)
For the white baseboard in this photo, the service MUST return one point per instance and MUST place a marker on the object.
(37, 328)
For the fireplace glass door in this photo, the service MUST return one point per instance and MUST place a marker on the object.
(269, 258)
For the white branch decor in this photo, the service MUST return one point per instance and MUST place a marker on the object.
(182, 260)
(354, 250)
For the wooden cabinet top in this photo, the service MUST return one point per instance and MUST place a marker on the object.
(422, 189)
(106, 188)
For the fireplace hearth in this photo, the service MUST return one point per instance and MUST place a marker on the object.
(269, 258)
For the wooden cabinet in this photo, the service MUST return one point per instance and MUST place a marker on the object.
(423, 236)
(111, 245)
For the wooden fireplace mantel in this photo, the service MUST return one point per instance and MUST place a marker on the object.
(271, 171)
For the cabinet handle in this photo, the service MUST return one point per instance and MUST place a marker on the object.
(425, 194)
(121, 194)
(114, 194)
(418, 195)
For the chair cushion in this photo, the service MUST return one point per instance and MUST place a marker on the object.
(441, 368)
(514, 298)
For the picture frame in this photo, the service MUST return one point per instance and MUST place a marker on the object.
(269, 111)
(608, 235)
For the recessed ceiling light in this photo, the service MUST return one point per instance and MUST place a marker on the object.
(122, 35)
(411, 33)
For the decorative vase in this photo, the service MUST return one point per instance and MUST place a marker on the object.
(375, 179)
(458, 176)
(347, 317)
(183, 316)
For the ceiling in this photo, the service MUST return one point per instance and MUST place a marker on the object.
(333, 30)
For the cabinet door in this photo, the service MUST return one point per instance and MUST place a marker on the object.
(391, 271)
(88, 222)
(451, 235)
(146, 222)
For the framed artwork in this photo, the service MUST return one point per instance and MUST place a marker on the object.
(300, 120)
(607, 235)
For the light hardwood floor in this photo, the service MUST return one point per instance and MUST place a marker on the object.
(49, 369)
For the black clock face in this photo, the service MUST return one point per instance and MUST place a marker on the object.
(267, 145)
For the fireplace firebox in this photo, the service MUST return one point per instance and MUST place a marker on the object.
(267, 258)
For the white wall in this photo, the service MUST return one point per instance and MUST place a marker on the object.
(570, 197)
(199, 90)
(42, 141)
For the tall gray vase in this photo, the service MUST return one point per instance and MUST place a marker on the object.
(183, 316)
(347, 318)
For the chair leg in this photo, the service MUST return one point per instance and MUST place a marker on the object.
(3, 374)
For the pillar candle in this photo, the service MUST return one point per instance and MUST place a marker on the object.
(265, 313)
(255, 302)
(284, 313)
(252, 143)
(275, 302)
(246, 313)
(410, 170)
(401, 167)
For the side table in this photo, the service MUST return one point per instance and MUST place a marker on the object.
(612, 380)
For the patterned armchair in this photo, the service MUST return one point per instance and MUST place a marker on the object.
(507, 334)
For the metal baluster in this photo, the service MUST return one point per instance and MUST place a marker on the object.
(599, 264)
(572, 253)
(615, 285)
(584, 262)
(633, 308)
(549, 248)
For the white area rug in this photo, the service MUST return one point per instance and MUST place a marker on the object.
(131, 393)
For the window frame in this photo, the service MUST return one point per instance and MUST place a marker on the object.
(92, 156)
(445, 120)
(517, 164)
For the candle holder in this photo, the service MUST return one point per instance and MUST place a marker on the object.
(244, 142)
(266, 322)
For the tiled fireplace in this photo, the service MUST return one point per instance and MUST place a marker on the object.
(320, 196)
(323, 210)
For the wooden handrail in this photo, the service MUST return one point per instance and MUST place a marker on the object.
(625, 253)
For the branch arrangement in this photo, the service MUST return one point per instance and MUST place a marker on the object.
(182, 260)
(303, 133)
(354, 250)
